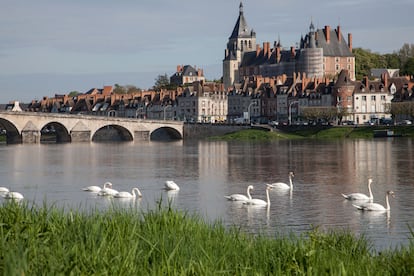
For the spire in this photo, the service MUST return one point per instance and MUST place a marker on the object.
(241, 29)
(311, 27)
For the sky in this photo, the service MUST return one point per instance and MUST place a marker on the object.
(50, 47)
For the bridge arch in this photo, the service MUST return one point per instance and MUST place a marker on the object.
(13, 135)
(165, 133)
(55, 132)
(112, 133)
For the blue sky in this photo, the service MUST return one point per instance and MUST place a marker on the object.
(50, 47)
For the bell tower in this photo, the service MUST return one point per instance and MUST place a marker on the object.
(241, 40)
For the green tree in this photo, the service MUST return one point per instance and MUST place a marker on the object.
(73, 93)
(408, 68)
(162, 81)
(119, 89)
(130, 89)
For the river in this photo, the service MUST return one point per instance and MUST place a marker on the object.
(206, 171)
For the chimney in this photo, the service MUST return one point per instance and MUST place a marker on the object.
(366, 82)
(257, 50)
(178, 68)
(269, 53)
(385, 80)
(338, 31)
(292, 51)
(277, 54)
(328, 34)
(350, 42)
(264, 49)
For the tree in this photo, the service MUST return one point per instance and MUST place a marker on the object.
(408, 68)
(131, 89)
(119, 89)
(162, 81)
(73, 94)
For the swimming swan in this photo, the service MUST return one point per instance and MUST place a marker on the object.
(281, 185)
(361, 196)
(13, 195)
(97, 189)
(240, 197)
(3, 190)
(107, 192)
(261, 202)
(171, 185)
(376, 206)
(135, 193)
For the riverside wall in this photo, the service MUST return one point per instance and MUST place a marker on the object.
(197, 131)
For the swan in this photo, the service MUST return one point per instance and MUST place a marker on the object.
(3, 190)
(261, 202)
(370, 206)
(13, 195)
(360, 196)
(240, 197)
(107, 191)
(171, 185)
(97, 189)
(281, 185)
(134, 193)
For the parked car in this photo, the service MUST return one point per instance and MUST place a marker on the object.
(406, 122)
(348, 123)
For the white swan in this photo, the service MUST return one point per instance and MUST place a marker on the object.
(261, 202)
(134, 193)
(370, 206)
(13, 195)
(97, 189)
(281, 185)
(107, 192)
(3, 190)
(171, 185)
(240, 197)
(361, 196)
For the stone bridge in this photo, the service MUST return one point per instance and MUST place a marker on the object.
(29, 127)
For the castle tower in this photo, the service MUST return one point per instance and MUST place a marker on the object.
(241, 40)
(310, 57)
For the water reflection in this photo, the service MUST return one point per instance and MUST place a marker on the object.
(207, 171)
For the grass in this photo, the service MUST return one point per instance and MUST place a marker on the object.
(255, 135)
(51, 241)
(314, 132)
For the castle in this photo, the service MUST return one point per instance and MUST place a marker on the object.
(321, 53)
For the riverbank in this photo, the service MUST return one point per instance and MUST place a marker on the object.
(314, 132)
(38, 241)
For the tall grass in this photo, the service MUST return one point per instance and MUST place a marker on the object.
(51, 241)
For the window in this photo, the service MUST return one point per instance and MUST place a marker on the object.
(372, 98)
(382, 97)
(364, 98)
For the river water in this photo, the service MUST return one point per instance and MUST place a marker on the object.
(208, 170)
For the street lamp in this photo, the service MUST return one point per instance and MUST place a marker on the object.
(290, 111)
(165, 108)
(248, 109)
(112, 113)
(138, 112)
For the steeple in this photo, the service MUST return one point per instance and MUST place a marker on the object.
(241, 40)
(241, 29)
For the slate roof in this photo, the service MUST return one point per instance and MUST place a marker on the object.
(241, 29)
(334, 48)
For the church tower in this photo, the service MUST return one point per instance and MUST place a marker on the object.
(241, 40)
